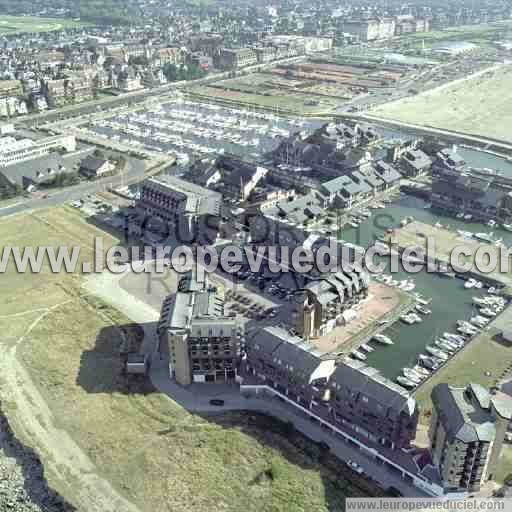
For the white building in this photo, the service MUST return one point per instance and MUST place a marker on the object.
(13, 151)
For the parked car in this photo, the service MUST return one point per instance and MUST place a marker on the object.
(356, 467)
(217, 401)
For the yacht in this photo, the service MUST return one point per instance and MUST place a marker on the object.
(429, 362)
(421, 371)
(423, 310)
(488, 312)
(454, 337)
(412, 375)
(405, 382)
(470, 283)
(356, 354)
(382, 339)
(444, 347)
(408, 319)
(436, 352)
(421, 300)
(484, 237)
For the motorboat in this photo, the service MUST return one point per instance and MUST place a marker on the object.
(382, 339)
(405, 382)
(436, 352)
(366, 348)
(488, 312)
(408, 319)
(484, 237)
(479, 321)
(454, 337)
(429, 362)
(421, 300)
(507, 227)
(423, 310)
(444, 347)
(412, 375)
(421, 371)
(466, 331)
(470, 283)
(356, 354)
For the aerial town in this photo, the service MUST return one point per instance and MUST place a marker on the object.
(255, 256)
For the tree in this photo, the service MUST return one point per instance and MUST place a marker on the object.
(171, 72)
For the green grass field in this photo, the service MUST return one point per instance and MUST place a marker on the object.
(19, 24)
(64, 383)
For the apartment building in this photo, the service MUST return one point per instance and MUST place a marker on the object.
(13, 151)
(203, 343)
(347, 395)
(457, 188)
(230, 58)
(177, 209)
(328, 298)
(167, 197)
(466, 433)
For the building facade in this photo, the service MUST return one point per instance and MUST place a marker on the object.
(347, 395)
(466, 433)
(13, 151)
(203, 343)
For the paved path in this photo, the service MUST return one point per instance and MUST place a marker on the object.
(134, 172)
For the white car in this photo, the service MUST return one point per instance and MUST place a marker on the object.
(356, 467)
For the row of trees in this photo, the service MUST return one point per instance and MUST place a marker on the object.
(176, 73)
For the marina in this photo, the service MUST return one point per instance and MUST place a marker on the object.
(443, 299)
(189, 130)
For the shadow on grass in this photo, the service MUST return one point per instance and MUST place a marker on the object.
(35, 484)
(102, 368)
(338, 479)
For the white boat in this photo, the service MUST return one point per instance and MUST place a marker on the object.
(488, 312)
(405, 382)
(507, 227)
(382, 339)
(421, 300)
(484, 237)
(470, 283)
(366, 348)
(437, 352)
(423, 310)
(408, 319)
(454, 337)
(421, 371)
(412, 375)
(356, 354)
(444, 347)
(491, 223)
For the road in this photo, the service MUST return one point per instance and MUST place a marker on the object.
(91, 107)
(196, 398)
(134, 172)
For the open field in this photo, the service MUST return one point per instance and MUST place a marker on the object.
(286, 102)
(477, 34)
(477, 105)
(19, 24)
(108, 445)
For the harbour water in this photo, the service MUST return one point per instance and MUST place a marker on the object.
(450, 300)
